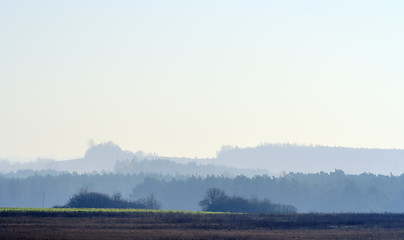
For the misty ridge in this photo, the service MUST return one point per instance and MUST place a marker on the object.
(110, 158)
(311, 159)
(271, 159)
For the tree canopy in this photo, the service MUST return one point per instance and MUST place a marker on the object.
(216, 200)
(86, 199)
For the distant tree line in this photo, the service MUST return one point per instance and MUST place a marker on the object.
(316, 192)
(38, 190)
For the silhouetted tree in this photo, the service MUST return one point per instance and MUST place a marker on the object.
(214, 197)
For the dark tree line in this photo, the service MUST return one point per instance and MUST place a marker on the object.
(216, 200)
(87, 199)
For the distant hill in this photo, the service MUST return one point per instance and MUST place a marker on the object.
(272, 159)
(101, 157)
(109, 157)
(309, 159)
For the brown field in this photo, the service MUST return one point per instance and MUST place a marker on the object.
(171, 225)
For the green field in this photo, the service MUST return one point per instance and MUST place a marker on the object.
(93, 210)
(62, 223)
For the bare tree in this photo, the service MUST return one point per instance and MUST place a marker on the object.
(117, 196)
(151, 202)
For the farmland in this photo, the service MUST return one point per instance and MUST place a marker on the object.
(145, 224)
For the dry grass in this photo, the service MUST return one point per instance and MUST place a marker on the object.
(155, 225)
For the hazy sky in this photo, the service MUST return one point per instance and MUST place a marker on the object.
(186, 77)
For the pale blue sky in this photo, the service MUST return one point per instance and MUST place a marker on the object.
(186, 77)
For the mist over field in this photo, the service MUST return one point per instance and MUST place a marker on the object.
(310, 178)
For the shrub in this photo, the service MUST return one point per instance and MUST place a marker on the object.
(217, 201)
(86, 199)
